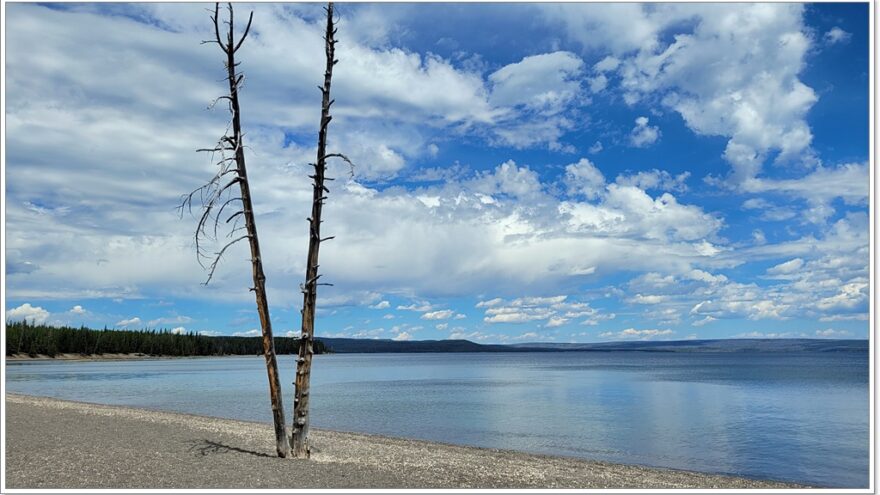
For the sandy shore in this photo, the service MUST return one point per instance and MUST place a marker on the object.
(60, 444)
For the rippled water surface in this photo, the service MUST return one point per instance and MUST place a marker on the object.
(788, 416)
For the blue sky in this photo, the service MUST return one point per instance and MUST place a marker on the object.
(524, 172)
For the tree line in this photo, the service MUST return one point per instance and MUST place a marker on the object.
(32, 339)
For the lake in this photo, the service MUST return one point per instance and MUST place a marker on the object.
(799, 417)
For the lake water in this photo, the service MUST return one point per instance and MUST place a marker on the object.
(787, 416)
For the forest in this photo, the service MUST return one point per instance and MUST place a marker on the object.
(32, 339)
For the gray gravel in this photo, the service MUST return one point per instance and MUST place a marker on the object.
(61, 444)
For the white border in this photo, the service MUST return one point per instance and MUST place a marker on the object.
(872, 307)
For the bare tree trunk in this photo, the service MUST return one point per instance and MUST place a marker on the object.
(300, 439)
(213, 203)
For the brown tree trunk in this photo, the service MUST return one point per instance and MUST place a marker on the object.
(300, 439)
(259, 288)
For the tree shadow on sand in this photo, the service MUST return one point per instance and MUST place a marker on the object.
(207, 447)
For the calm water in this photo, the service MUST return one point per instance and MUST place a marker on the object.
(794, 416)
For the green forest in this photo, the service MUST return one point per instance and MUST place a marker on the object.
(28, 338)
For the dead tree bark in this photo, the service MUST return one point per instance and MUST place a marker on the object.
(217, 194)
(300, 439)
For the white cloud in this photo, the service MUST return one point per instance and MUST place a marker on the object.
(441, 326)
(787, 267)
(819, 189)
(438, 315)
(541, 82)
(554, 310)
(403, 336)
(836, 35)
(832, 333)
(643, 135)
(769, 335)
(754, 97)
(584, 178)
(77, 310)
(508, 179)
(251, 333)
(556, 321)
(33, 314)
(850, 317)
(704, 321)
(655, 179)
(598, 83)
(489, 303)
(381, 305)
(850, 296)
(170, 320)
(632, 333)
(647, 299)
(607, 64)
(595, 148)
(178, 330)
(421, 307)
(618, 27)
(130, 322)
(533, 97)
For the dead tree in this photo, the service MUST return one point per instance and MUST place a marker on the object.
(300, 439)
(219, 194)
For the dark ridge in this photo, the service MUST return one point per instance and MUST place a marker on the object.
(25, 338)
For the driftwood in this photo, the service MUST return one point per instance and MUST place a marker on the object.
(218, 195)
(300, 439)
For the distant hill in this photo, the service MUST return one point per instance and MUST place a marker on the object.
(341, 345)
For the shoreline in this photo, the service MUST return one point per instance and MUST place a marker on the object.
(54, 443)
(25, 358)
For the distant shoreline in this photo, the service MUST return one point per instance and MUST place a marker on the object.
(24, 358)
(53, 443)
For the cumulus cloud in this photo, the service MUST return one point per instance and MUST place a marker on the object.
(32, 314)
(78, 310)
(381, 305)
(754, 96)
(545, 82)
(584, 178)
(643, 135)
(130, 322)
(402, 336)
(655, 179)
(836, 35)
(555, 311)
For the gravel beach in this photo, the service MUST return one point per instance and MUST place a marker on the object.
(61, 444)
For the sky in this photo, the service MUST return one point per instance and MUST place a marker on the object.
(522, 172)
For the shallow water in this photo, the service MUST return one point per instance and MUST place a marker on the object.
(799, 417)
